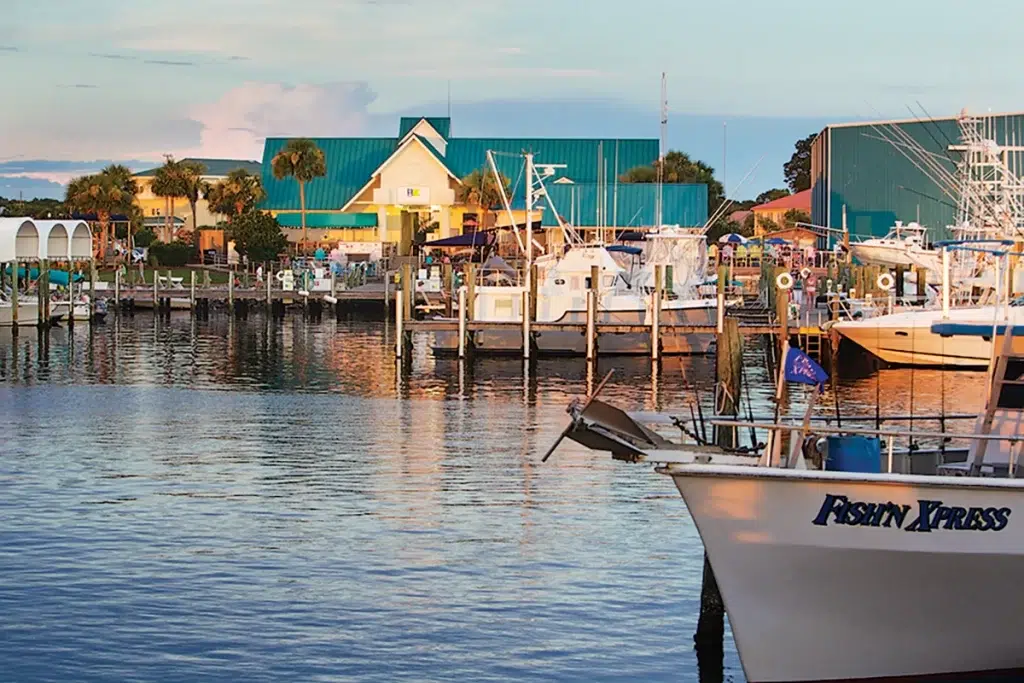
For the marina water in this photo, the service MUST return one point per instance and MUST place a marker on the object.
(253, 500)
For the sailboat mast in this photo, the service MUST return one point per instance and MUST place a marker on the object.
(529, 218)
(661, 153)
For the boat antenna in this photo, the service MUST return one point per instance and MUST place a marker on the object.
(661, 153)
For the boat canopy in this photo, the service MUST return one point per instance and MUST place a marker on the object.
(625, 249)
(467, 239)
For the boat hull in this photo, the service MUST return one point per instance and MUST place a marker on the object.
(28, 315)
(907, 339)
(810, 599)
(881, 254)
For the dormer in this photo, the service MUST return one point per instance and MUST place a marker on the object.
(434, 130)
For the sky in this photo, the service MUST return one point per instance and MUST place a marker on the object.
(84, 83)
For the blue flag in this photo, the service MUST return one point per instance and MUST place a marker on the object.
(802, 369)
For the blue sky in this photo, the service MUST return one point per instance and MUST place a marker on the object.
(134, 79)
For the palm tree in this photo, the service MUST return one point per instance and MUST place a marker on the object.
(236, 194)
(111, 191)
(480, 189)
(303, 160)
(167, 183)
(190, 179)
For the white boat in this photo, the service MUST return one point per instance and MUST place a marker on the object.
(28, 313)
(859, 576)
(906, 338)
(562, 292)
(831, 576)
(903, 245)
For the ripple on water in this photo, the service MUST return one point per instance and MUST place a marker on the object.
(241, 501)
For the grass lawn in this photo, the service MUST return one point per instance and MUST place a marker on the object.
(216, 277)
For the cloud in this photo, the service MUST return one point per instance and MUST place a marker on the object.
(236, 125)
(59, 172)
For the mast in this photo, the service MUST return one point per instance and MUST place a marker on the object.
(661, 153)
(529, 218)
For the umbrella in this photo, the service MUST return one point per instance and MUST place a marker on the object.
(775, 240)
(733, 237)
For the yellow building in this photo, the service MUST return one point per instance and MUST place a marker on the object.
(378, 191)
(156, 209)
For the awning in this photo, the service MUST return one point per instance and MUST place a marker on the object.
(469, 239)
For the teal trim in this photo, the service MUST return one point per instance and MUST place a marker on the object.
(328, 220)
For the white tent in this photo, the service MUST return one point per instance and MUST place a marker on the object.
(81, 240)
(19, 240)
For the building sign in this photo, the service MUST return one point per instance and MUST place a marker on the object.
(927, 516)
(412, 195)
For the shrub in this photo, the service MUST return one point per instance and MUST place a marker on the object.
(173, 255)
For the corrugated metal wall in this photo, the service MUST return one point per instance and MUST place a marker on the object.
(855, 167)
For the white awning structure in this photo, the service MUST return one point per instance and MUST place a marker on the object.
(54, 240)
(19, 240)
(80, 248)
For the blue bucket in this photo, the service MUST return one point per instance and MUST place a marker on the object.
(854, 453)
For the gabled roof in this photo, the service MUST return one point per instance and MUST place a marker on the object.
(350, 163)
(800, 200)
(413, 139)
(215, 168)
(442, 124)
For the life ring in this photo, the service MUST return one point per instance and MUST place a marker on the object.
(784, 281)
(806, 273)
(279, 275)
(886, 281)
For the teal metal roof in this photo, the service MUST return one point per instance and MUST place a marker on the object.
(632, 205)
(442, 124)
(328, 220)
(583, 158)
(215, 167)
(350, 163)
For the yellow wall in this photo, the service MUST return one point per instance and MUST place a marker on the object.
(152, 205)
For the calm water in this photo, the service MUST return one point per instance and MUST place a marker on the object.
(186, 501)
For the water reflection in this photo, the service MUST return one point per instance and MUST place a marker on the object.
(224, 500)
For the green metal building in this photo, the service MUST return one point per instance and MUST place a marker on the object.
(856, 168)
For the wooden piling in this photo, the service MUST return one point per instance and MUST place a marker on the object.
(533, 292)
(723, 273)
(40, 295)
(592, 315)
(462, 321)
(44, 285)
(408, 290)
(922, 283)
(448, 288)
(527, 336)
(156, 289)
(471, 291)
(192, 290)
(901, 272)
(399, 323)
(656, 315)
(14, 295)
(710, 635)
(270, 280)
(782, 313)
